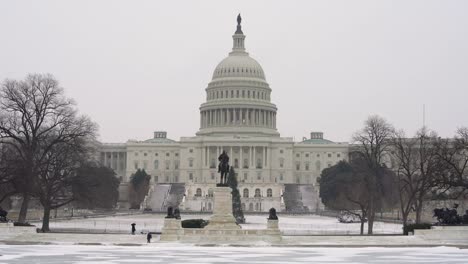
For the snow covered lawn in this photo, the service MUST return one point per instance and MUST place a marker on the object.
(153, 253)
(289, 224)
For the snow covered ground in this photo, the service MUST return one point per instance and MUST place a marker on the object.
(153, 253)
(289, 224)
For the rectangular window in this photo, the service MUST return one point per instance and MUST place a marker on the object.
(245, 176)
(259, 175)
(136, 165)
(307, 166)
(298, 166)
(190, 176)
(190, 163)
(212, 176)
(176, 164)
(155, 178)
(168, 164)
(191, 150)
(145, 165)
(329, 155)
(338, 155)
(281, 177)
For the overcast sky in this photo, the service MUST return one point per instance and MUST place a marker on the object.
(139, 66)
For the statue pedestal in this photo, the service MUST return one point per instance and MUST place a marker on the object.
(222, 211)
(272, 224)
(172, 230)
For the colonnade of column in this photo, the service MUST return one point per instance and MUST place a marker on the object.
(252, 153)
(238, 116)
(115, 160)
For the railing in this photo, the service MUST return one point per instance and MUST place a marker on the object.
(164, 204)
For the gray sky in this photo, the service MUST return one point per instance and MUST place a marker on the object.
(139, 66)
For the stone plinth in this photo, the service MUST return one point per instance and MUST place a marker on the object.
(272, 224)
(9, 228)
(172, 230)
(222, 218)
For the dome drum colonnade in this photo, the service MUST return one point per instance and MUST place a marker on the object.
(238, 96)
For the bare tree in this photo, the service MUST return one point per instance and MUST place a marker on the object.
(372, 141)
(59, 169)
(453, 155)
(417, 167)
(35, 116)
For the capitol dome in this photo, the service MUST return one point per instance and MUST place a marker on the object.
(239, 65)
(238, 96)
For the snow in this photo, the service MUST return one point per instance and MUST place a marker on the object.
(288, 224)
(164, 253)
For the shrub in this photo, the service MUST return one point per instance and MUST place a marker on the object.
(412, 227)
(194, 223)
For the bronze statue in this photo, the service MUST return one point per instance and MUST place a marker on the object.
(272, 215)
(223, 167)
(239, 19)
(170, 212)
(177, 213)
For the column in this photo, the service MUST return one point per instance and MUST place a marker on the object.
(250, 157)
(236, 116)
(241, 161)
(264, 157)
(230, 155)
(274, 120)
(222, 116)
(206, 157)
(254, 162)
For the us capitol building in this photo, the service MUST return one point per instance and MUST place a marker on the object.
(238, 117)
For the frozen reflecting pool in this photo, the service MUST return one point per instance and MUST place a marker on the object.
(190, 254)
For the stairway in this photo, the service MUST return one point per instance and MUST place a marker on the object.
(176, 194)
(157, 196)
(300, 198)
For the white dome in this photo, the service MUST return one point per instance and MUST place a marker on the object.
(239, 65)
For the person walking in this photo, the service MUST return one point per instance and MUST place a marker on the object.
(148, 237)
(133, 228)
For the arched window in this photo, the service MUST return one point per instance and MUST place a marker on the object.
(259, 163)
(198, 192)
(213, 163)
(257, 207)
(269, 193)
(257, 193)
(251, 207)
(236, 163)
(246, 164)
(243, 207)
(246, 193)
(156, 164)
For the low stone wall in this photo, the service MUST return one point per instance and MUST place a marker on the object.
(173, 231)
(9, 228)
(444, 233)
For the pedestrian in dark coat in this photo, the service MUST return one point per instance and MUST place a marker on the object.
(133, 228)
(148, 237)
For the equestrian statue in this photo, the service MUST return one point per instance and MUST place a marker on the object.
(223, 168)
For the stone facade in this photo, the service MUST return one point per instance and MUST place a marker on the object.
(237, 117)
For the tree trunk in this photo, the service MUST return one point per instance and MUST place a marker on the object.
(371, 215)
(45, 219)
(419, 206)
(404, 218)
(24, 208)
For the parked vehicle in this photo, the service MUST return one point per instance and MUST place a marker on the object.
(349, 217)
